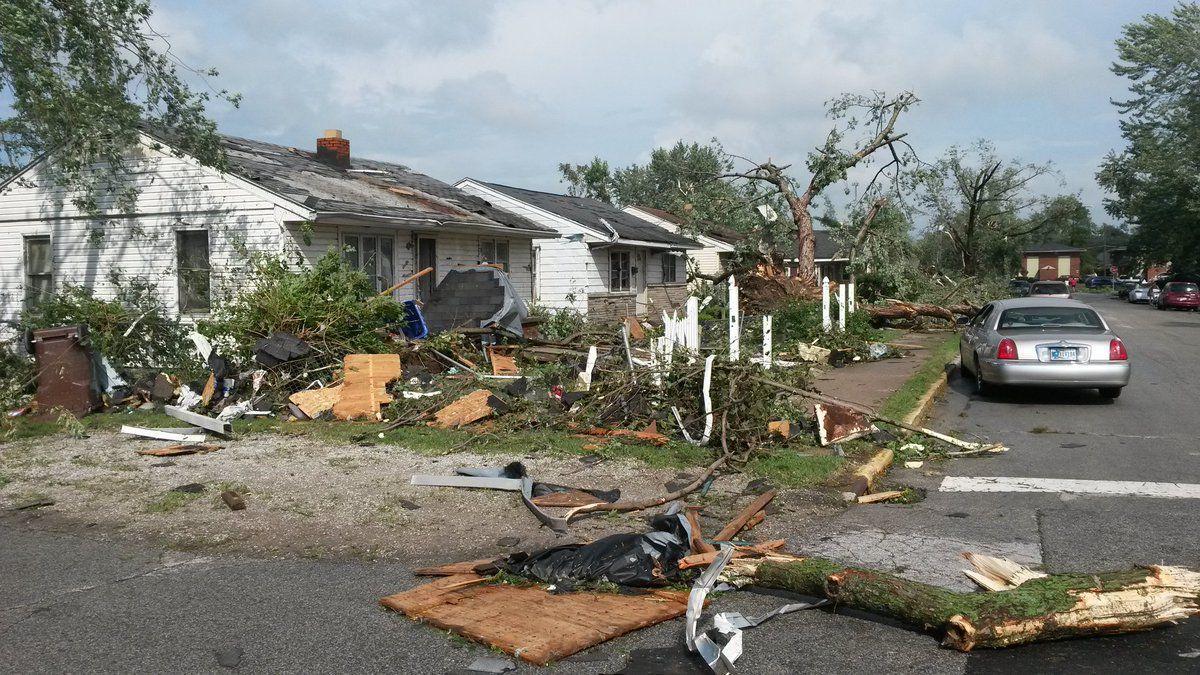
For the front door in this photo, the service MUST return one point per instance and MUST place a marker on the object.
(426, 257)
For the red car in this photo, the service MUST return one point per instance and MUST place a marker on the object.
(1180, 295)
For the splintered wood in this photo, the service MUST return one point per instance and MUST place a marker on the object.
(466, 410)
(316, 402)
(503, 363)
(181, 449)
(365, 386)
(528, 621)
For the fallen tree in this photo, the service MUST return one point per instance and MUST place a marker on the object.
(1026, 606)
(897, 310)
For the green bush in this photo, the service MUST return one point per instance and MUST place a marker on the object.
(16, 378)
(329, 305)
(558, 324)
(156, 342)
(800, 321)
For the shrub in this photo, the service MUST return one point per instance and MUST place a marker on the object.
(17, 377)
(800, 321)
(331, 306)
(133, 329)
(558, 324)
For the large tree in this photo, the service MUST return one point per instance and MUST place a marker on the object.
(1155, 180)
(984, 206)
(81, 76)
(706, 184)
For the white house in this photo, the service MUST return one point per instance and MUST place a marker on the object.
(717, 243)
(193, 227)
(605, 263)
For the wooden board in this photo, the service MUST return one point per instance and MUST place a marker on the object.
(314, 402)
(451, 569)
(470, 408)
(529, 622)
(567, 499)
(503, 364)
(181, 449)
(365, 385)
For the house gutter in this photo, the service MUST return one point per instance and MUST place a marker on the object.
(431, 224)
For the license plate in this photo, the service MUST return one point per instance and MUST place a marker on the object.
(1067, 354)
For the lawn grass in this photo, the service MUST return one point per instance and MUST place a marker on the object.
(788, 468)
(171, 500)
(905, 399)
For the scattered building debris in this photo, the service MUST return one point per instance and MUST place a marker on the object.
(180, 449)
(838, 424)
(477, 405)
(880, 496)
(365, 385)
(216, 426)
(279, 348)
(315, 402)
(482, 482)
(163, 435)
(530, 622)
(740, 521)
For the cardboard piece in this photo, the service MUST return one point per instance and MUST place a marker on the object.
(530, 622)
(364, 388)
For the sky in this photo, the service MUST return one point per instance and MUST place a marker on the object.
(504, 91)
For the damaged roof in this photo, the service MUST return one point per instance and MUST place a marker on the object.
(369, 188)
(719, 232)
(589, 212)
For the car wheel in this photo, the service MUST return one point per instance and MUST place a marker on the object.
(982, 387)
(1110, 392)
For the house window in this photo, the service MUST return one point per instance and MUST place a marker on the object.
(670, 268)
(494, 252)
(191, 258)
(39, 277)
(620, 271)
(372, 255)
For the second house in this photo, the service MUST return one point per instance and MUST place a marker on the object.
(606, 263)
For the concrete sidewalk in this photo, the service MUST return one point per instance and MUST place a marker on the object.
(871, 383)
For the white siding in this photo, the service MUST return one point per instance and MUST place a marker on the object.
(707, 259)
(566, 270)
(174, 194)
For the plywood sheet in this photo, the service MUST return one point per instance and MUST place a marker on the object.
(470, 408)
(364, 388)
(528, 621)
(502, 363)
(314, 402)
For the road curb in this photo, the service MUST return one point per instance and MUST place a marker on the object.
(927, 399)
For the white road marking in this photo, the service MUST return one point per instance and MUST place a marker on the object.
(1122, 488)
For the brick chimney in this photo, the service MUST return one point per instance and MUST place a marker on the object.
(333, 149)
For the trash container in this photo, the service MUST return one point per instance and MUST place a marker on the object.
(66, 376)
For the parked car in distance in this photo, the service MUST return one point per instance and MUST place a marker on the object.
(1139, 293)
(1050, 289)
(1019, 287)
(1097, 282)
(1180, 295)
(1121, 289)
(1043, 342)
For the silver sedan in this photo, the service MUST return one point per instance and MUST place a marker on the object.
(1044, 342)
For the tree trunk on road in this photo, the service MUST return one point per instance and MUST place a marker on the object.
(1032, 608)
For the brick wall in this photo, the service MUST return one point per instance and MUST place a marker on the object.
(666, 297)
(611, 306)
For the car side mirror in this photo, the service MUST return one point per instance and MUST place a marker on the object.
(962, 320)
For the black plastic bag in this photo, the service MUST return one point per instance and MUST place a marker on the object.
(647, 559)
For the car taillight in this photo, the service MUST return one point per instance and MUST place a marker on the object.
(1007, 350)
(1116, 350)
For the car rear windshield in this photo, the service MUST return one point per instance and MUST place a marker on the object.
(1179, 287)
(1049, 317)
(1050, 289)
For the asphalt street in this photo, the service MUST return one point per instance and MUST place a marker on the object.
(80, 602)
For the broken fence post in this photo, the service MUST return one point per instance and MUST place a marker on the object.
(826, 321)
(851, 301)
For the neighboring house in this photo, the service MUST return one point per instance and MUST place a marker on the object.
(717, 243)
(605, 263)
(193, 227)
(1051, 261)
(828, 258)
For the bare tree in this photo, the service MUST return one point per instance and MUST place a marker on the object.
(829, 163)
(981, 200)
